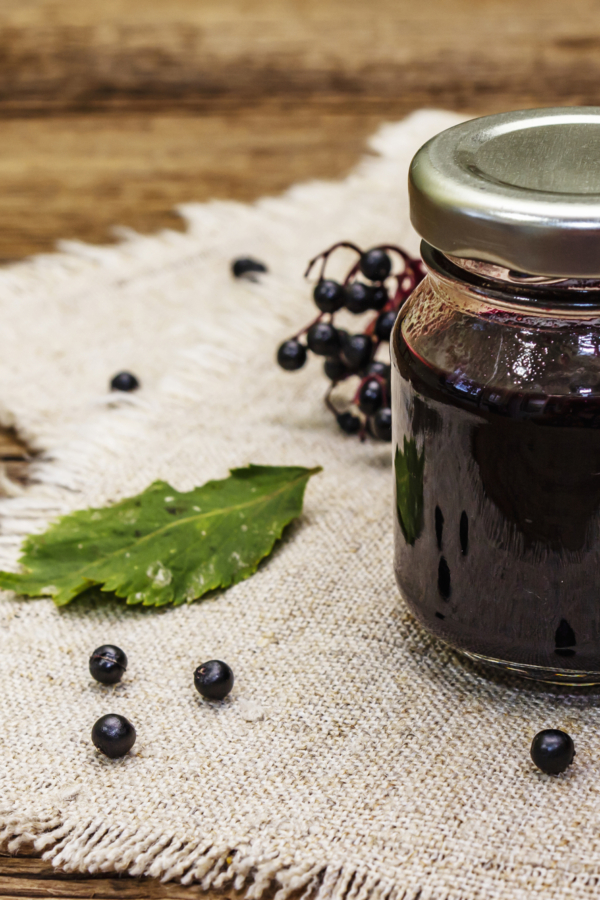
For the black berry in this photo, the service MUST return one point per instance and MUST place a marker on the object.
(213, 679)
(113, 735)
(348, 423)
(329, 296)
(375, 265)
(323, 339)
(379, 297)
(384, 324)
(357, 297)
(357, 350)
(245, 265)
(370, 397)
(552, 751)
(107, 664)
(379, 368)
(335, 369)
(291, 355)
(381, 424)
(124, 381)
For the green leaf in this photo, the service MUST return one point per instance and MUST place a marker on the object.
(409, 467)
(162, 546)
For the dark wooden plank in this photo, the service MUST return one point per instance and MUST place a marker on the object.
(67, 54)
(99, 889)
(33, 877)
(15, 457)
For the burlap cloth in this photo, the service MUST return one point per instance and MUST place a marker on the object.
(356, 757)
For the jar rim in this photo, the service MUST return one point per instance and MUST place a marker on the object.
(564, 295)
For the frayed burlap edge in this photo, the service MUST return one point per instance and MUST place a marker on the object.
(94, 847)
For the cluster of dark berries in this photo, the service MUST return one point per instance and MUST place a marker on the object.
(114, 735)
(369, 286)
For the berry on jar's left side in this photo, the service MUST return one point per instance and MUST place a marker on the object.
(373, 284)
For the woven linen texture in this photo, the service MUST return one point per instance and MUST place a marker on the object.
(356, 757)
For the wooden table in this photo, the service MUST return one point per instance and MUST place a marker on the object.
(28, 877)
(115, 111)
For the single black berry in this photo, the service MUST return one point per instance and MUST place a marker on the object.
(375, 265)
(213, 679)
(329, 296)
(382, 424)
(552, 751)
(124, 381)
(291, 355)
(348, 423)
(357, 297)
(245, 265)
(323, 339)
(379, 297)
(113, 735)
(370, 397)
(335, 369)
(107, 664)
(379, 368)
(357, 350)
(384, 324)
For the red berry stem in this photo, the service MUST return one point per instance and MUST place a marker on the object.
(309, 326)
(351, 274)
(327, 253)
(408, 260)
(328, 400)
(351, 356)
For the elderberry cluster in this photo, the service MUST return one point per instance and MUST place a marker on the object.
(369, 286)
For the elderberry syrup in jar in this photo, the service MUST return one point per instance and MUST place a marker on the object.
(496, 394)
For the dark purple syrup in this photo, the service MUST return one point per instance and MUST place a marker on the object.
(498, 500)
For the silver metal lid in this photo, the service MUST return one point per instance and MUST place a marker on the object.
(519, 189)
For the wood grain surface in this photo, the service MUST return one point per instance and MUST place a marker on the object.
(77, 175)
(32, 877)
(113, 112)
(69, 54)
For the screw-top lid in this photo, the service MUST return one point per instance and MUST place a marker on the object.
(519, 189)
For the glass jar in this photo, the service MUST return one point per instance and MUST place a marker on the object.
(496, 395)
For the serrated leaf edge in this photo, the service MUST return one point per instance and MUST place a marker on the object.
(9, 580)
